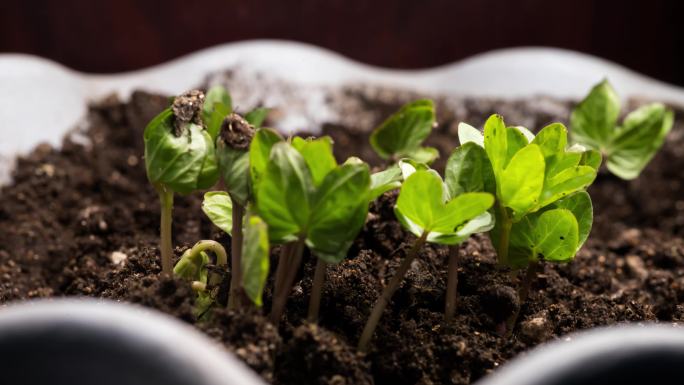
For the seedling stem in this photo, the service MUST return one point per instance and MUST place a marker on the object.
(287, 276)
(505, 236)
(452, 284)
(384, 299)
(523, 293)
(234, 299)
(317, 290)
(166, 201)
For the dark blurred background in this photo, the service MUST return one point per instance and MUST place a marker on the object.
(121, 35)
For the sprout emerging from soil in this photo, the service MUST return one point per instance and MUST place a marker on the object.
(179, 158)
(402, 134)
(542, 209)
(426, 209)
(192, 267)
(627, 148)
(306, 199)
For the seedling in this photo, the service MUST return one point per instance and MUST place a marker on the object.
(627, 148)
(402, 134)
(232, 149)
(427, 210)
(542, 209)
(305, 198)
(192, 267)
(179, 158)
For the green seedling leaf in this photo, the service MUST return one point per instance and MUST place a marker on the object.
(284, 194)
(403, 132)
(260, 152)
(591, 158)
(496, 143)
(384, 181)
(421, 208)
(468, 133)
(550, 235)
(529, 136)
(217, 105)
(579, 204)
(594, 119)
(234, 166)
(179, 155)
(409, 166)
(257, 116)
(425, 155)
(255, 258)
(218, 206)
(642, 134)
(468, 170)
(318, 156)
(339, 210)
(522, 181)
(629, 148)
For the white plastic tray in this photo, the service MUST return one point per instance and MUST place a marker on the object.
(41, 100)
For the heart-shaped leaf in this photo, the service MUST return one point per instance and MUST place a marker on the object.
(218, 206)
(403, 132)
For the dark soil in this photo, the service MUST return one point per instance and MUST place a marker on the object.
(82, 221)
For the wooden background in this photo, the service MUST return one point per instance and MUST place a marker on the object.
(119, 35)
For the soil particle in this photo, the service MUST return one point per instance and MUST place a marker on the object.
(71, 213)
(187, 108)
(236, 132)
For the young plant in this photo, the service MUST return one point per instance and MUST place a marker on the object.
(542, 209)
(402, 134)
(232, 149)
(179, 158)
(627, 148)
(306, 199)
(427, 210)
(192, 267)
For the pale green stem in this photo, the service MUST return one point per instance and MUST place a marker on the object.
(236, 256)
(504, 236)
(293, 261)
(386, 295)
(193, 254)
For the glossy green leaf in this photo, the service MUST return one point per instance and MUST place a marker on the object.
(255, 258)
(284, 194)
(521, 182)
(552, 140)
(260, 152)
(468, 170)
(468, 133)
(565, 183)
(591, 158)
(403, 132)
(642, 134)
(425, 155)
(234, 166)
(257, 116)
(421, 208)
(496, 142)
(594, 119)
(217, 105)
(318, 155)
(550, 235)
(386, 180)
(339, 209)
(580, 205)
(218, 207)
(515, 142)
(183, 163)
